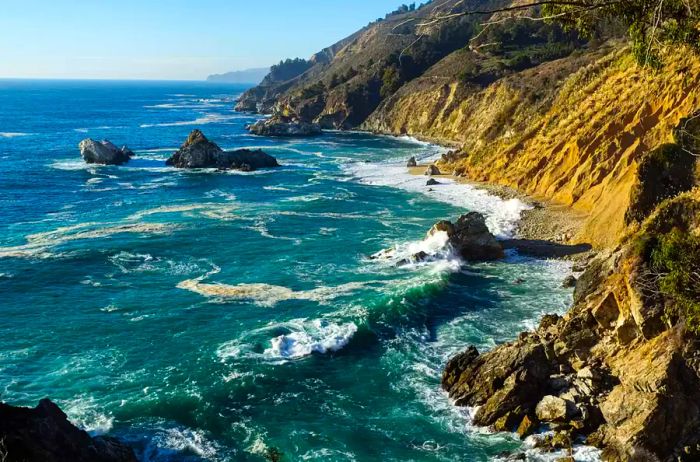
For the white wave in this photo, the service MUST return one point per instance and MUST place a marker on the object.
(14, 134)
(85, 413)
(319, 336)
(502, 215)
(207, 119)
(303, 338)
(434, 250)
(169, 442)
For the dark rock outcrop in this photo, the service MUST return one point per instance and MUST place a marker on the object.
(412, 162)
(432, 182)
(199, 152)
(282, 127)
(470, 237)
(44, 434)
(104, 152)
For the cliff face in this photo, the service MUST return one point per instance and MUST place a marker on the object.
(571, 130)
(618, 369)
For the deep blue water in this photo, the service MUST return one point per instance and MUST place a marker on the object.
(204, 315)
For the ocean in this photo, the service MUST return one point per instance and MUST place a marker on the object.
(214, 316)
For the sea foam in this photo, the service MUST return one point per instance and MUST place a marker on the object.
(502, 216)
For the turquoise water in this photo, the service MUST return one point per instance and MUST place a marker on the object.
(210, 315)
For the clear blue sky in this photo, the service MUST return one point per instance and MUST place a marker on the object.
(169, 39)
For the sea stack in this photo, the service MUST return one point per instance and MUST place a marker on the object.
(470, 237)
(103, 152)
(199, 152)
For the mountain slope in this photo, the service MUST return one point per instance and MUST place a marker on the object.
(254, 76)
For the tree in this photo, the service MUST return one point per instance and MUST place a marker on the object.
(651, 24)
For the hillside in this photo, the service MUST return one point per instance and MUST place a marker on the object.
(254, 76)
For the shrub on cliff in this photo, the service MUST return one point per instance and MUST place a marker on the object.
(663, 173)
(676, 258)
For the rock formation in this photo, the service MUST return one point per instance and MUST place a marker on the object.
(44, 434)
(199, 152)
(432, 170)
(411, 162)
(470, 237)
(282, 127)
(621, 368)
(104, 152)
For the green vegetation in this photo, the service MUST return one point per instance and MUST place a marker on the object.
(288, 69)
(675, 256)
(663, 173)
(651, 25)
(391, 81)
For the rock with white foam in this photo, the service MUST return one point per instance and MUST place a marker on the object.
(104, 152)
(470, 237)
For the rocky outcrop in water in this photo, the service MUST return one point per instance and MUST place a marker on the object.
(104, 152)
(199, 152)
(282, 127)
(44, 434)
(621, 368)
(470, 237)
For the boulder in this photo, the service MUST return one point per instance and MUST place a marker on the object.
(551, 409)
(569, 282)
(470, 237)
(283, 127)
(412, 162)
(44, 434)
(199, 152)
(103, 152)
(432, 182)
(432, 170)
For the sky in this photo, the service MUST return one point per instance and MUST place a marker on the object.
(169, 39)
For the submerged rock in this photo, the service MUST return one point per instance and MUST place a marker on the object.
(44, 434)
(412, 162)
(199, 152)
(432, 182)
(278, 126)
(104, 152)
(470, 237)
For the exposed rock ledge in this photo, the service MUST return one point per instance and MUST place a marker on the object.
(284, 127)
(615, 370)
(199, 152)
(44, 434)
(103, 152)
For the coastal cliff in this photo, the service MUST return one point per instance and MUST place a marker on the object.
(578, 122)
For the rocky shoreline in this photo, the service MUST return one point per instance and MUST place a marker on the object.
(545, 230)
(44, 434)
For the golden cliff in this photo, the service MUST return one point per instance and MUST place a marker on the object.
(571, 130)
